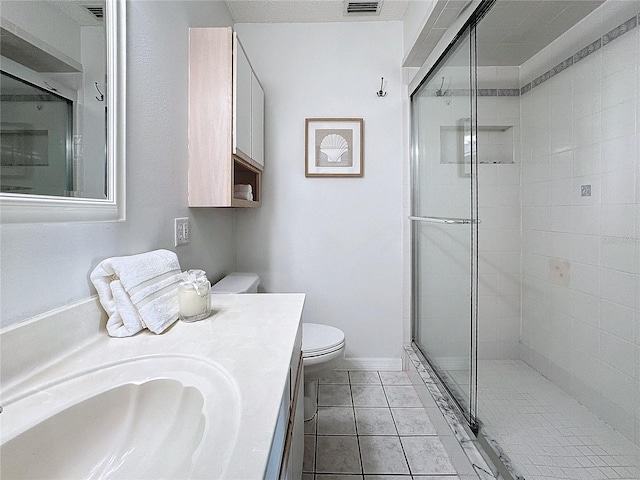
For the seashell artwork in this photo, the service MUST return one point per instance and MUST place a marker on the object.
(334, 146)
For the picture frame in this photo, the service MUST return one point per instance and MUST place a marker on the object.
(334, 147)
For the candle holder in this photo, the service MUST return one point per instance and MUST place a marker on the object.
(193, 294)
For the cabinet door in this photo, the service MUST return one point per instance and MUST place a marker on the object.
(257, 121)
(242, 103)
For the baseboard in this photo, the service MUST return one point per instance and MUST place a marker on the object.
(385, 364)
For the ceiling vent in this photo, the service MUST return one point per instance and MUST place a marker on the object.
(97, 11)
(362, 8)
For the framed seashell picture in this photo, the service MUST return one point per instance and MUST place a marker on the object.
(334, 147)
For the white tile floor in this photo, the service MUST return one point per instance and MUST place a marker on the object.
(373, 426)
(547, 434)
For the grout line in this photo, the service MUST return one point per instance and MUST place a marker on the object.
(397, 431)
(315, 450)
(355, 423)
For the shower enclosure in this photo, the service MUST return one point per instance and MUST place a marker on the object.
(525, 233)
(36, 135)
(444, 222)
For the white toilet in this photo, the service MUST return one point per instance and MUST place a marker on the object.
(322, 345)
(322, 349)
(237, 283)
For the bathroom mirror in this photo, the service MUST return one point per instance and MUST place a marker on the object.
(63, 110)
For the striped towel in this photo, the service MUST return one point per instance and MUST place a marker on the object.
(139, 291)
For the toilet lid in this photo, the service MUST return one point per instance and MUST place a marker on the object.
(318, 339)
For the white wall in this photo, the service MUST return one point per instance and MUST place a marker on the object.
(337, 239)
(45, 266)
(581, 254)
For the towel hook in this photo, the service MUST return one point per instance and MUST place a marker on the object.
(101, 97)
(440, 92)
(50, 87)
(381, 92)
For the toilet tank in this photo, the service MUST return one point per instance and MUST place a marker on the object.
(237, 282)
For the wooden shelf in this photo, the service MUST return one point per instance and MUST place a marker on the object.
(245, 173)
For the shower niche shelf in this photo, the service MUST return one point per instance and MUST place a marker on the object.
(495, 144)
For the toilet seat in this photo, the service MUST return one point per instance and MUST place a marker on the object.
(318, 340)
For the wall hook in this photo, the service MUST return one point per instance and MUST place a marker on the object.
(50, 87)
(381, 93)
(440, 92)
(101, 97)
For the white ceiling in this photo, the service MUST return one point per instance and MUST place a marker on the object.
(515, 30)
(307, 11)
(76, 11)
(512, 32)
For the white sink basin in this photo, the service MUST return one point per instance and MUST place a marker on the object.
(150, 417)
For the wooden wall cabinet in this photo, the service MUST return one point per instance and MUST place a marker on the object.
(226, 120)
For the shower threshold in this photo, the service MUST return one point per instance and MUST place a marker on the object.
(531, 429)
(423, 377)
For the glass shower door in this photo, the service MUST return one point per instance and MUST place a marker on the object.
(444, 223)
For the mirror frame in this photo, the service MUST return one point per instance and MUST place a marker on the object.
(24, 208)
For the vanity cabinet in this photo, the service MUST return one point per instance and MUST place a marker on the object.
(226, 120)
(287, 449)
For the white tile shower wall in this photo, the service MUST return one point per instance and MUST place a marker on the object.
(581, 254)
(499, 228)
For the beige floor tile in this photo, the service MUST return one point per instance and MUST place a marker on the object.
(413, 421)
(310, 426)
(395, 378)
(375, 421)
(382, 455)
(334, 395)
(402, 396)
(427, 456)
(338, 454)
(365, 377)
(368, 396)
(336, 421)
(335, 377)
(309, 462)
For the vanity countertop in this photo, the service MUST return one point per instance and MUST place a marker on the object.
(250, 337)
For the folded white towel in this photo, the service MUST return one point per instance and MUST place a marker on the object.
(243, 195)
(139, 291)
(242, 188)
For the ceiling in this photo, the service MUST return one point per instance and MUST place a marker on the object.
(512, 32)
(77, 10)
(310, 11)
(515, 30)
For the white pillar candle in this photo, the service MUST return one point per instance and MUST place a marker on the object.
(192, 304)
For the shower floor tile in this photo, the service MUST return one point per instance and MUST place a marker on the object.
(546, 433)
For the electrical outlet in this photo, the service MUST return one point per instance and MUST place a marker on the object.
(181, 231)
